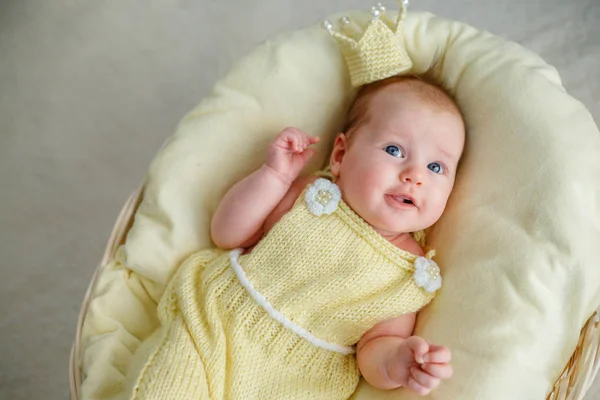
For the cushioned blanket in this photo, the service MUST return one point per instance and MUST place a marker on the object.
(516, 245)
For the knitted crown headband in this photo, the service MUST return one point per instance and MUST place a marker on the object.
(377, 53)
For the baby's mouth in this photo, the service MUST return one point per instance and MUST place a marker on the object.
(407, 201)
(404, 199)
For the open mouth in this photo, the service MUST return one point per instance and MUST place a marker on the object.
(403, 199)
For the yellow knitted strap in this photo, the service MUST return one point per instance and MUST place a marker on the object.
(419, 237)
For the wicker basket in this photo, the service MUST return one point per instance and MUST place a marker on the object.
(116, 239)
(573, 383)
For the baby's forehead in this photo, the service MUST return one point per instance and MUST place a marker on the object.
(427, 108)
(429, 94)
(397, 88)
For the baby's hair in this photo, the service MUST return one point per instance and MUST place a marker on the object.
(424, 87)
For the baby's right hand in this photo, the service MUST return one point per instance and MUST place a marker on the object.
(289, 152)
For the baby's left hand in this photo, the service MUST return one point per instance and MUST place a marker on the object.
(420, 365)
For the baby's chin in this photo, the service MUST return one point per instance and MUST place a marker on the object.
(395, 223)
(404, 223)
(390, 229)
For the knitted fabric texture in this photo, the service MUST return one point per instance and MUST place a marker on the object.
(333, 275)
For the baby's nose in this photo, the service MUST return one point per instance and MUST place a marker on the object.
(412, 176)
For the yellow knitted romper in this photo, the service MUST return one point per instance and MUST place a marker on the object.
(329, 278)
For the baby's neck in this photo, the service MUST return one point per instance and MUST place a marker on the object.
(397, 239)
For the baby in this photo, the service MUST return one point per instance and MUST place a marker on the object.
(321, 270)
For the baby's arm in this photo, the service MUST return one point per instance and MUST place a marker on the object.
(389, 357)
(240, 217)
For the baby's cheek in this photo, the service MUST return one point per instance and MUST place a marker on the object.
(378, 179)
(364, 192)
(363, 176)
(437, 206)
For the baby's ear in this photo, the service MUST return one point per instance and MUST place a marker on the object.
(337, 154)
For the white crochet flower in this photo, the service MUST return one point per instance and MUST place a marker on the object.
(427, 274)
(322, 197)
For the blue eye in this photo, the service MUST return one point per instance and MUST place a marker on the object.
(394, 151)
(436, 167)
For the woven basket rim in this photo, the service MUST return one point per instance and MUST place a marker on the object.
(117, 237)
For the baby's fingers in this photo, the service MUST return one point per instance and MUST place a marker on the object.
(298, 142)
(303, 141)
(437, 354)
(419, 348)
(421, 382)
(289, 139)
(419, 389)
(441, 371)
(309, 140)
(306, 155)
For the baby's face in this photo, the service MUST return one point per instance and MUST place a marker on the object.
(398, 168)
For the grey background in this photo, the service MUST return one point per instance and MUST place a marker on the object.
(90, 89)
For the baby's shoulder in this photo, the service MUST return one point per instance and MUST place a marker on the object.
(295, 191)
(301, 183)
(288, 201)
